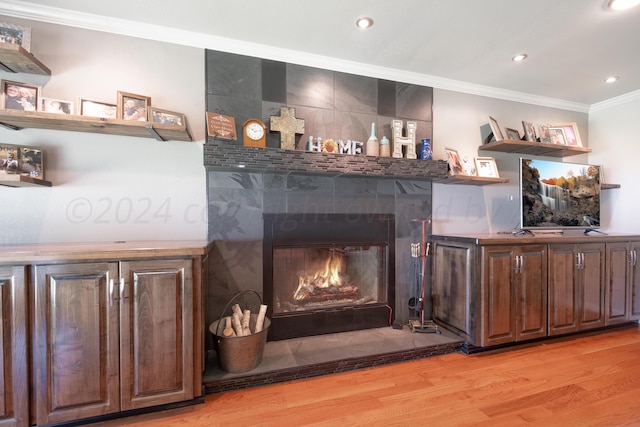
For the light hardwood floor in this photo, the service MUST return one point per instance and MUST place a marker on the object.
(591, 380)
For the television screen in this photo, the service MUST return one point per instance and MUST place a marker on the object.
(559, 195)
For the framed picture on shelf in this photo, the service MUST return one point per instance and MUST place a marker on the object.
(495, 128)
(557, 136)
(453, 158)
(103, 110)
(56, 106)
(165, 117)
(529, 131)
(486, 167)
(512, 134)
(572, 137)
(15, 34)
(19, 96)
(543, 134)
(133, 107)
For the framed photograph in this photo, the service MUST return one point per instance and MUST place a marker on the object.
(486, 167)
(9, 159)
(543, 133)
(133, 107)
(512, 134)
(56, 106)
(529, 131)
(497, 133)
(97, 109)
(15, 34)
(165, 117)
(19, 96)
(455, 165)
(557, 136)
(31, 161)
(572, 137)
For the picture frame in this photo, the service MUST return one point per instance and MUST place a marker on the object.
(56, 106)
(16, 34)
(557, 136)
(543, 133)
(20, 96)
(132, 106)
(31, 162)
(529, 131)
(486, 167)
(495, 128)
(512, 134)
(99, 109)
(157, 115)
(455, 164)
(9, 162)
(571, 134)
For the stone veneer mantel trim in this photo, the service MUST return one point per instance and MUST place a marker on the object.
(236, 158)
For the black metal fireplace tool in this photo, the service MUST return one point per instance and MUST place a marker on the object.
(420, 253)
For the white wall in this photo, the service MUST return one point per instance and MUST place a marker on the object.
(111, 187)
(457, 118)
(615, 140)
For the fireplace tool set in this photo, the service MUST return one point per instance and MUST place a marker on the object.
(420, 255)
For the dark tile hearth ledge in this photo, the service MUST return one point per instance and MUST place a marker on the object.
(313, 356)
(233, 157)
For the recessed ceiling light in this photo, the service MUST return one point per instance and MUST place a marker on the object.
(364, 23)
(519, 57)
(622, 4)
(612, 79)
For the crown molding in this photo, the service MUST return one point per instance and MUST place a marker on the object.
(614, 102)
(53, 15)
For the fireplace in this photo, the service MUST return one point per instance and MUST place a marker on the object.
(328, 273)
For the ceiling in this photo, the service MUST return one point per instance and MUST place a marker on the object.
(466, 45)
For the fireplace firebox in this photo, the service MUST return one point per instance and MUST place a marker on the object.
(328, 273)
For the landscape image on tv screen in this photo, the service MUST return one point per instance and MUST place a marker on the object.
(559, 195)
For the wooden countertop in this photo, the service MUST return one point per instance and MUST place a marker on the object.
(515, 239)
(99, 251)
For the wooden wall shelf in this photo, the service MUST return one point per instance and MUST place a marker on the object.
(22, 181)
(609, 186)
(16, 119)
(533, 148)
(15, 59)
(471, 180)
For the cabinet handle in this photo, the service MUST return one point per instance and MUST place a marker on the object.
(578, 261)
(121, 288)
(111, 293)
(521, 263)
(582, 260)
(634, 257)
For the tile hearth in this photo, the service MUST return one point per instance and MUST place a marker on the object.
(307, 357)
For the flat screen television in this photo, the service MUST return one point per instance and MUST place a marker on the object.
(559, 195)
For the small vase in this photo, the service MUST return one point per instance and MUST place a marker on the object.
(385, 147)
(373, 146)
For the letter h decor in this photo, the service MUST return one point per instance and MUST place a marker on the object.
(399, 140)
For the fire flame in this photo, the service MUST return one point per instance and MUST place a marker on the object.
(323, 278)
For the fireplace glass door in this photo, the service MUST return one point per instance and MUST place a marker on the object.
(328, 276)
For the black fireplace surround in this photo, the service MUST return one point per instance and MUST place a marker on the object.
(330, 230)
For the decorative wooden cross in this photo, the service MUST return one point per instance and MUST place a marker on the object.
(288, 126)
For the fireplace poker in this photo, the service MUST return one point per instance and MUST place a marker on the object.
(423, 325)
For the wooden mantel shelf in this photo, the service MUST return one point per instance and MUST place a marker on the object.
(471, 180)
(15, 59)
(533, 148)
(16, 119)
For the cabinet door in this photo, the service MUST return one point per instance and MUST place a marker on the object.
(498, 295)
(592, 281)
(634, 282)
(75, 352)
(563, 298)
(531, 288)
(619, 267)
(156, 345)
(453, 288)
(13, 348)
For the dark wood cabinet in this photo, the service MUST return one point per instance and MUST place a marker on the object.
(514, 293)
(14, 396)
(112, 336)
(500, 289)
(576, 287)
